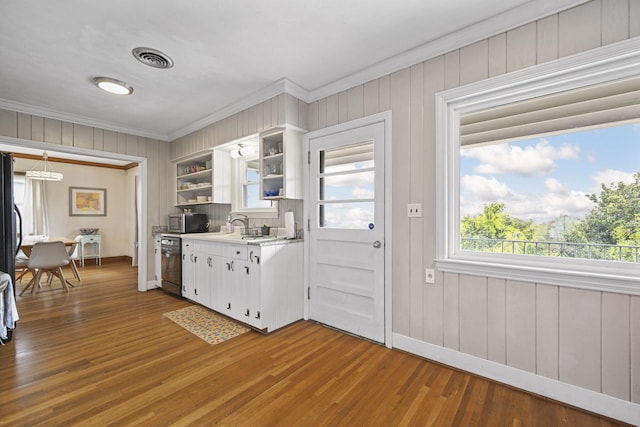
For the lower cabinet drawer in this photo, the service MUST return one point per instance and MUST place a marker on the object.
(237, 252)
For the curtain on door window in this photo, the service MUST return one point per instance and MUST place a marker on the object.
(36, 216)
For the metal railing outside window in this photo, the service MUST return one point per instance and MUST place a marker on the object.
(595, 251)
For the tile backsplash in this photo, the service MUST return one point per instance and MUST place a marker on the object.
(219, 213)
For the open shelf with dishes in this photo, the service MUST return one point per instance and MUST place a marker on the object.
(203, 179)
(281, 163)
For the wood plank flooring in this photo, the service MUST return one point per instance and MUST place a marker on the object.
(103, 354)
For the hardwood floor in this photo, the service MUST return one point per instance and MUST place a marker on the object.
(103, 354)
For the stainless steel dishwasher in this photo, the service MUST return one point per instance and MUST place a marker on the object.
(171, 264)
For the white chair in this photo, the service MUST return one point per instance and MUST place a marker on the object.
(22, 265)
(47, 257)
(73, 256)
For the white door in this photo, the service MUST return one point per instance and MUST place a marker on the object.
(345, 211)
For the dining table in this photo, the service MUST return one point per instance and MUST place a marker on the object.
(27, 246)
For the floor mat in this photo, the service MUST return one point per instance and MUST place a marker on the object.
(206, 324)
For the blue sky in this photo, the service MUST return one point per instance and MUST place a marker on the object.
(544, 178)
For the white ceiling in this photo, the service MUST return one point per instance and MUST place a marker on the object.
(227, 53)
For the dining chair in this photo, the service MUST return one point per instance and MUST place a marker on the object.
(22, 266)
(47, 257)
(73, 256)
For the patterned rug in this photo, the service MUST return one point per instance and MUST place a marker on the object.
(205, 324)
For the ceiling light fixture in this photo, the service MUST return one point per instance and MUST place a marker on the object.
(44, 174)
(113, 86)
(242, 150)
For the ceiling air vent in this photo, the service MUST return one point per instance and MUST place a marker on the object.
(152, 57)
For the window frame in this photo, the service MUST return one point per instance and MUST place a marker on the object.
(238, 190)
(613, 62)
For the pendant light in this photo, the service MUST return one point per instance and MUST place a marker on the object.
(46, 173)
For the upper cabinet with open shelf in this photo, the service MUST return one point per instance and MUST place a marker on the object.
(203, 178)
(281, 163)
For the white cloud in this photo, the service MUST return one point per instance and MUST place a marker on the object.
(611, 176)
(557, 199)
(339, 216)
(358, 179)
(362, 193)
(485, 189)
(530, 160)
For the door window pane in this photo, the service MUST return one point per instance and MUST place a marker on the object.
(354, 215)
(346, 186)
(347, 158)
(350, 186)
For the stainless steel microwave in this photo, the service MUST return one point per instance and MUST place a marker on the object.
(187, 223)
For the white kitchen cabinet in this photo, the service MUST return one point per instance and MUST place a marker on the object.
(196, 273)
(234, 280)
(157, 253)
(203, 178)
(261, 286)
(281, 163)
(276, 294)
(188, 268)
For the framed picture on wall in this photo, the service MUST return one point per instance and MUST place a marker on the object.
(87, 201)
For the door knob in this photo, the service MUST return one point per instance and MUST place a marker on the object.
(377, 244)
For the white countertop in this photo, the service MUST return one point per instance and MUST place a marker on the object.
(237, 238)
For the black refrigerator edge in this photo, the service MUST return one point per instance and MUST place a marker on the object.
(10, 219)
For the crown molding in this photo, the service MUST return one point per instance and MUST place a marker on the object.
(74, 118)
(512, 18)
(280, 86)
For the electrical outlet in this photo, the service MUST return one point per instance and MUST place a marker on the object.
(430, 275)
(414, 210)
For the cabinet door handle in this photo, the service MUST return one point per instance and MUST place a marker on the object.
(246, 269)
(246, 313)
(258, 315)
(209, 261)
(183, 256)
(228, 306)
(195, 291)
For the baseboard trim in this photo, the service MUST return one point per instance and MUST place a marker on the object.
(152, 284)
(566, 393)
(106, 260)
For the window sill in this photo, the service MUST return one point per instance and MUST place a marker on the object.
(599, 278)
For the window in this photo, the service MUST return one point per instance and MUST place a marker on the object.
(18, 191)
(346, 186)
(539, 173)
(243, 155)
(249, 181)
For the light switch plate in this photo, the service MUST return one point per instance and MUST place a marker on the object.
(414, 210)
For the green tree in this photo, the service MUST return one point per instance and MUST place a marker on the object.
(496, 223)
(615, 219)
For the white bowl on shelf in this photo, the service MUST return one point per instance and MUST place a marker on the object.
(201, 198)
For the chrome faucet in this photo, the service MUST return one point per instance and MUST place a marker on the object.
(244, 220)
